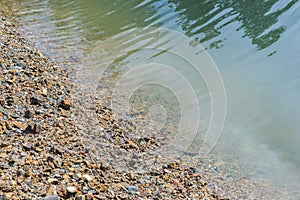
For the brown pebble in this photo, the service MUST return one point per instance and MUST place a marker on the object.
(3, 155)
(51, 190)
(66, 104)
(8, 125)
(19, 125)
(52, 181)
(22, 194)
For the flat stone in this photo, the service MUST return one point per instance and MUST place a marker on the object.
(50, 197)
(87, 177)
(19, 125)
(71, 189)
(27, 145)
(132, 189)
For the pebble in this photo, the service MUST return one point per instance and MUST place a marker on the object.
(71, 189)
(53, 181)
(132, 189)
(66, 104)
(80, 197)
(50, 197)
(51, 190)
(27, 146)
(87, 177)
(28, 114)
(19, 125)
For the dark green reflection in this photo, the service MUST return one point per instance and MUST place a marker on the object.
(252, 16)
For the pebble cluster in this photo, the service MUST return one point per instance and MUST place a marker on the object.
(43, 155)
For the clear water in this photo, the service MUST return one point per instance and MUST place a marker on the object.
(255, 45)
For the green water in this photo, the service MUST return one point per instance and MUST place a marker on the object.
(255, 45)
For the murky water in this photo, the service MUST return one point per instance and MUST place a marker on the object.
(255, 45)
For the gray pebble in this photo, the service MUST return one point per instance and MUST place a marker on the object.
(132, 189)
(50, 197)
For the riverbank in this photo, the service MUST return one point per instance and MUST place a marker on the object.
(43, 155)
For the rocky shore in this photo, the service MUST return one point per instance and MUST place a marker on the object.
(43, 156)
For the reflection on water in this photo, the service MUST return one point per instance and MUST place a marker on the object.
(254, 43)
(255, 18)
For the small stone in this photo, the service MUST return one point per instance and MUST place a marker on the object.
(19, 125)
(63, 171)
(90, 196)
(57, 162)
(28, 129)
(85, 190)
(50, 158)
(22, 194)
(80, 197)
(66, 104)
(57, 176)
(53, 181)
(36, 129)
(131, 175)
(10, 100)
(87, 177)
(132, 189)
(8, 125)
(34, 101)
(44, 91)
(9, 195)
(3, 155)
(51, 190)
(27, 146)
(21, 172)
(2, 102)
(51, 197)
(28, 114)
(71, 189)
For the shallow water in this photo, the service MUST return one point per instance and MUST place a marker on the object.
(254, 44)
